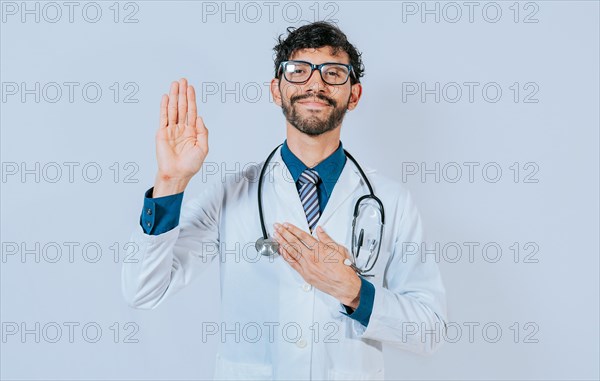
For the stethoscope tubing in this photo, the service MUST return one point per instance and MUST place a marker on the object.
(371, 195)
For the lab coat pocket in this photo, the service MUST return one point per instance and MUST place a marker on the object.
(346, 375)
(231, 370)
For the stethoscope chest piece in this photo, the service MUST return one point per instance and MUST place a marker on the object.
(267, 247)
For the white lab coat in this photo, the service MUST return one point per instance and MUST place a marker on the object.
(280, 327)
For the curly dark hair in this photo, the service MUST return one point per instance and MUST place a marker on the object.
(316, 35)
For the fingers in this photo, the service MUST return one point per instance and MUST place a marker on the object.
(304, 247)
(182, 105)
(324, 237)
(292, 248)
(172, 112)
(300, 234)
(192, 111)
(289, 258)
(164, 102)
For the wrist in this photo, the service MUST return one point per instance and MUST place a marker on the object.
(352, 299)
(166, 185)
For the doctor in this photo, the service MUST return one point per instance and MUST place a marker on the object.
(335, 287)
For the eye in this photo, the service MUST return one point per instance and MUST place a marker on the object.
(335, 71)
(295, 68)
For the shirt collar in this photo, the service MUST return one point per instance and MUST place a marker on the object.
(329, 170)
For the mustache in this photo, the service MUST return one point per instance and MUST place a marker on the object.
(322, 97)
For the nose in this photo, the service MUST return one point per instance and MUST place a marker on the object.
(315, 83)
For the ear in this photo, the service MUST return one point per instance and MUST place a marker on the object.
(355, 94)
(276, 91)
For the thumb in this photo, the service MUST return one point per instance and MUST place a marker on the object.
(202, 134)
(323, 237)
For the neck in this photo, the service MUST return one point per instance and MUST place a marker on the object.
(312, 150)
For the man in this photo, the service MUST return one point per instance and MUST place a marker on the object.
(317, 314)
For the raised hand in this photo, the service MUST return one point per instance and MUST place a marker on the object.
(181, 140)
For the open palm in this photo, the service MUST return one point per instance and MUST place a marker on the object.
(182, 138)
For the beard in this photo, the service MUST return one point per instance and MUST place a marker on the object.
(316, 122)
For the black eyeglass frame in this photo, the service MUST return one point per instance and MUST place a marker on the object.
(319, 67)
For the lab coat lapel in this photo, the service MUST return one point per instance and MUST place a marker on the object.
(345, 187)
(286, 194)
(282, 204)
(284, 186)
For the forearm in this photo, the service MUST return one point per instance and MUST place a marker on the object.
(171, 253)
(146, 276)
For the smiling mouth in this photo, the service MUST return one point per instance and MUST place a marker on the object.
(314, 104)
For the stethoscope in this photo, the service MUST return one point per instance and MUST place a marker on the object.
(269, 247)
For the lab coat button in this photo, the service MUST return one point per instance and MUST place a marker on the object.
(306, 287)
(301, 343)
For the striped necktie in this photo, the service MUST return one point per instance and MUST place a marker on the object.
(307, 189)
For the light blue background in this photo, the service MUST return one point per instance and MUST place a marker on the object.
(559, 213)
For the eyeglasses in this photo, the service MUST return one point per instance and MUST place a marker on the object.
(332, 73)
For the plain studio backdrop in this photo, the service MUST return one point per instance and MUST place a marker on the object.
(486, 111)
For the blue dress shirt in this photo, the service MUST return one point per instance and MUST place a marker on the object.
(161, 214)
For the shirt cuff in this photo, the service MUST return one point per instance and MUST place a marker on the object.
(362, 314)
(160, 214)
